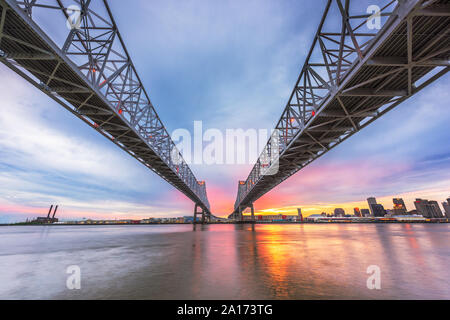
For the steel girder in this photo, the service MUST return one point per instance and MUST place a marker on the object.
(92, 75)
(351, 78)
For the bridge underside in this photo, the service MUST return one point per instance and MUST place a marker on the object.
(411, 51)
(103, 90)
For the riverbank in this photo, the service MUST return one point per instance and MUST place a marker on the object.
(235, 222)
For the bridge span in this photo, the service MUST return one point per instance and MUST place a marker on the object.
(355, 72)
(90, 73)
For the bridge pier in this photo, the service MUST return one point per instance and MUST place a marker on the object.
(195, 213)
(240, 213)
(205, 217)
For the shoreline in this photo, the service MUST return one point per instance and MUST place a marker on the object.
(250, 223)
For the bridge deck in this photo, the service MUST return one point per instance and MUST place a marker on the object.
(26, 49)
(408, 53)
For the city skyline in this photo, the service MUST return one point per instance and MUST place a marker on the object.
(364, 205)
(45, 158)
(444, 207)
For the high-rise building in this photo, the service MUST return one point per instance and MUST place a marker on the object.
(422, 207)
(339, 212)
(378, 210)
(399, 207)
(437, 212)
(357, 212)
(300, 216)
(446, 206)
(365, 212)
(371, 201)
(428, 209)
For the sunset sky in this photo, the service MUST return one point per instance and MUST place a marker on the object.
(229, 64)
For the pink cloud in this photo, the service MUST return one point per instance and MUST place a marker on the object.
(332, 182)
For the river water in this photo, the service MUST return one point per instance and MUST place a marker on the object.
(310, 261)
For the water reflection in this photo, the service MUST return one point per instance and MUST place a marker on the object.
(227, 261)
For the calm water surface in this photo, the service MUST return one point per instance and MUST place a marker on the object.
(226, 261)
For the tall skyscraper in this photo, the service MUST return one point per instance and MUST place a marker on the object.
(437, 212)
(371, 201)
(422, 208)
(446, 206)
(378, 210)
(399, 206)
(339, 212)
(428, 209)
(300, 216)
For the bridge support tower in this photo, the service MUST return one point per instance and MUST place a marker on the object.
(240, 214)
(205, 216)
(253, 213)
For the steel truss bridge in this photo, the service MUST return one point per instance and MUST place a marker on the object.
(351, 77)
(91, 74)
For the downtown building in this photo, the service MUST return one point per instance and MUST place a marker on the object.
(273, 217)
(365, 213)
(339, 212)
(446, 206)
(371, 202)
(428, 209)
(399, 207)
(376, 209)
